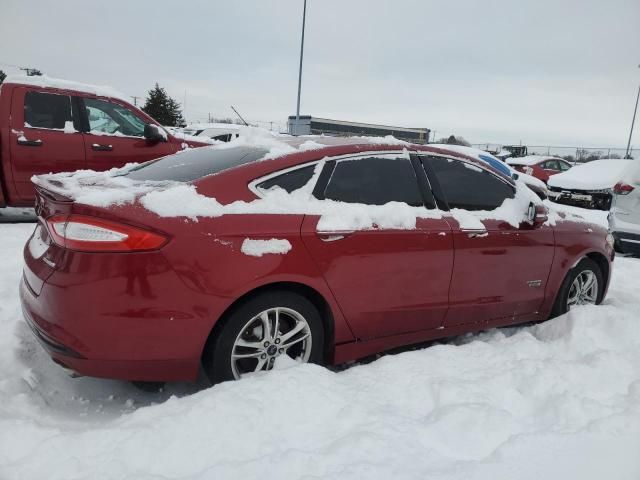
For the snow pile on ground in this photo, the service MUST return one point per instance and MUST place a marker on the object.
(560, 400)
(595, 175)
(258, 248)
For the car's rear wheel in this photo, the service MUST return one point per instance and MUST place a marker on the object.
(583, 285)
(272, 327)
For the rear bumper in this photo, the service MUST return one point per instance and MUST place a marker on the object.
(115, 316)
(63, 348)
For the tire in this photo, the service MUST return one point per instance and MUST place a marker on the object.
(586, 265)
(239, 346)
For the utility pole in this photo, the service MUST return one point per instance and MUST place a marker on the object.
(135, 100)
(633, 121)
(304, 18)
(240, 116)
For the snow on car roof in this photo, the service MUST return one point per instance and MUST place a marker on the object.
(529, 159)
(46, 81)
(595, 175)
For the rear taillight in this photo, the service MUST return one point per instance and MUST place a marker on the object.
(622, 188)
(92, 234)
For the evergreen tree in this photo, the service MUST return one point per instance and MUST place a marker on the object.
(2, 76)
(163, 108)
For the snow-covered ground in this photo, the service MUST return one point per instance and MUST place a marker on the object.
(560, 400)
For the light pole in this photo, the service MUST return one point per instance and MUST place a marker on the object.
(304, 17)
(633, 121)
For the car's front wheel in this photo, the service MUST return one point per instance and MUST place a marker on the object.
(583, 285)
(272, 327)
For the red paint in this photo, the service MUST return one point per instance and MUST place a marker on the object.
(536, 169)
(63, 152)
(147, 315)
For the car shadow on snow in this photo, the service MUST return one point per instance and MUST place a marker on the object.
(85, 397)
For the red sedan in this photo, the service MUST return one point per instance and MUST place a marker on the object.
(237, 259)
(539, 166)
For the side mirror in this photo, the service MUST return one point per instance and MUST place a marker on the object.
(154, 133)
(537, 215)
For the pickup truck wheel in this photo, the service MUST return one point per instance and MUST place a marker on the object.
(583, 285)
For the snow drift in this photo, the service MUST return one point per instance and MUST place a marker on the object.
(558, 400)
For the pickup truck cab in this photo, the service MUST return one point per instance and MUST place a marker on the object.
(49, 125)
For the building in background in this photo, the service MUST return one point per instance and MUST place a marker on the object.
(308, 125)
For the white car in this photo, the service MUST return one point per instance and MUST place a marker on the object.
(589, 185)
(624, 218)
(223, 132)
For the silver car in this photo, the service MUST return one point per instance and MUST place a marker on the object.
(624, 217)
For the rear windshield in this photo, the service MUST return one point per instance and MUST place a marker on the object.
(195, 163)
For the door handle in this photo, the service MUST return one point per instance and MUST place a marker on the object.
(334, 236)
(475, 233)
(29, 143)
(101, 148)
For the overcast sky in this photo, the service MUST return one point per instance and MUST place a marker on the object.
(541, 72)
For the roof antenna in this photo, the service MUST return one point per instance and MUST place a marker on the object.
(240, 116)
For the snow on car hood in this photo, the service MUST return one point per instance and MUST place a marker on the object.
(595, 175)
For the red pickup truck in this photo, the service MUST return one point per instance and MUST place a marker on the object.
(49, 125)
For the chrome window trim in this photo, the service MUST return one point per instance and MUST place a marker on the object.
(253, 185)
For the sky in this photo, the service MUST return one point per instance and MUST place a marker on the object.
(542, 72)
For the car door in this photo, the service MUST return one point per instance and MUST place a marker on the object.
(114, 136)
(500, 271)
(387, 281)
(44, 138)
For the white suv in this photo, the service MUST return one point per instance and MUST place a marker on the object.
(624, 217)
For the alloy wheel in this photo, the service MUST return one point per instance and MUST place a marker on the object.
(271, 333)
(584, 289)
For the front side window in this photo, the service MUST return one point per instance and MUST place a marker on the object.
(551, 165)
(563, 166)
(469, 187)
(47, 110)
(112, 119)
(374, 181)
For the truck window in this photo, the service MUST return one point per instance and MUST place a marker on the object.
(112, 119)
(46, 110)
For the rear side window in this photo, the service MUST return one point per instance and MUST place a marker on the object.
(374, 181)
(551, 165)
(46, 110)
(289, 181)
(189, 165)
(469, 187)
